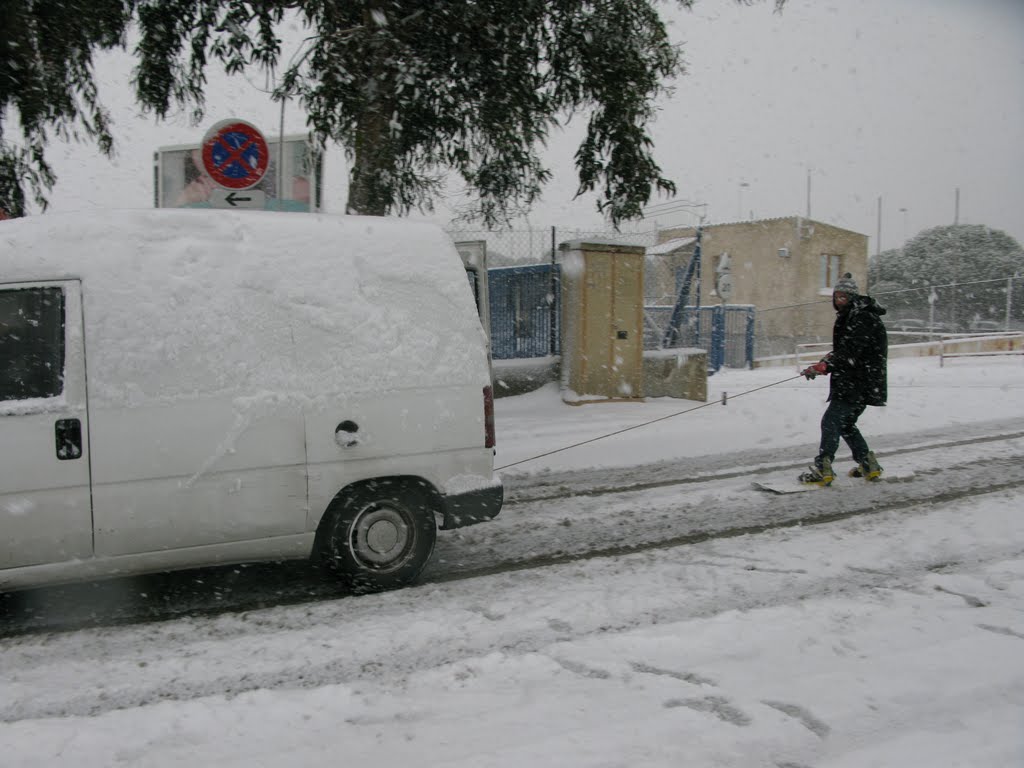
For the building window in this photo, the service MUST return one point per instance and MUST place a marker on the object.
(31, 343)
(830, 270)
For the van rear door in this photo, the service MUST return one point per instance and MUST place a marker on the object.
(45, 505)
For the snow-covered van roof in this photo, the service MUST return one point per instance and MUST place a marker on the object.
(179, 302)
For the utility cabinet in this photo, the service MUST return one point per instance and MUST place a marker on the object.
(602, 321)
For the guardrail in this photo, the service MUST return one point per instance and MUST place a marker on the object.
(946, 345)
(980, 345)
(810, 353)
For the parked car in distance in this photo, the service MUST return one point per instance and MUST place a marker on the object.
(907, 325)
(985, 326)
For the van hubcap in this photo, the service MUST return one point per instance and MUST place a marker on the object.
(382, 536)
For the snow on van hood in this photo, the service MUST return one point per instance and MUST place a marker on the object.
(181, 303)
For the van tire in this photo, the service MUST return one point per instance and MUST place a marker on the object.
(378, 536)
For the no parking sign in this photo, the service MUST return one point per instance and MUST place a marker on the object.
(235, 154)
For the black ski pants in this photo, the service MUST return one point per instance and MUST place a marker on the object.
(840, 421)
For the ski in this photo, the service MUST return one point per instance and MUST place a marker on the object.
(786, 485)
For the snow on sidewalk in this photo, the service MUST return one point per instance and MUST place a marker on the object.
(922, 396)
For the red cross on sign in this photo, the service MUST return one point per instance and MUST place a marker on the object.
(235, 154)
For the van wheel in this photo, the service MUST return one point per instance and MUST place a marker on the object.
(379, 537)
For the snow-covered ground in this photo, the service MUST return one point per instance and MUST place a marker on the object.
(891, 639)
(765, 408)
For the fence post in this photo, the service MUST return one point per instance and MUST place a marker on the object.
(553, 301)
(718, 337)
(932, 298)
(750, 339)
(1009, 301)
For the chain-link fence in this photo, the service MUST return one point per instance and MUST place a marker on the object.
(975, 306)
(913, 315)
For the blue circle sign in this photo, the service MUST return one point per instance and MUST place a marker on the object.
(235, 154)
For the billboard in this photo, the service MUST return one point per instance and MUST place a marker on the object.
(180, 180)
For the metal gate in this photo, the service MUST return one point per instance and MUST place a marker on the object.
(726, 332)
(525, 311)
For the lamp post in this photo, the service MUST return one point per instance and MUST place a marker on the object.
(739, 200)
(878, 231)
(904, 212)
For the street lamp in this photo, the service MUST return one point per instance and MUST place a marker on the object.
(739, 201)
(904, 212)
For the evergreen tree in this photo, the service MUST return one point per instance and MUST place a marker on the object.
(46, 81)
(413, 89)
(969, 263)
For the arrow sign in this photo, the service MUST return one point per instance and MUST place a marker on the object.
(250, 198)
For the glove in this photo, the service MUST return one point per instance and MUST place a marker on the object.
(812, 371)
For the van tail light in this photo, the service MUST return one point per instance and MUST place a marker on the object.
(489, 441)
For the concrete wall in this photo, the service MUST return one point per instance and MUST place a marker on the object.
(676, 373)
(517, 377)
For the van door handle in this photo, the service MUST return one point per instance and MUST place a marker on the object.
(345, 434)
(68, 434)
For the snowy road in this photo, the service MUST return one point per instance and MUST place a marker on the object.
(826, 645)
(552, 518)
(557, 518)
(579, 515)
(562, 521)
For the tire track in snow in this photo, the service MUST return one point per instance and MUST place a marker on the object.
(542, 532)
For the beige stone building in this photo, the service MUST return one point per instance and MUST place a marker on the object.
(784, 267)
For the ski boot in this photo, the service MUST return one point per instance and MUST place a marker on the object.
(869, 469)
(818, 475)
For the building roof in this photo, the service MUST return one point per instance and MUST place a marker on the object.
(795, 220)
(670, 245)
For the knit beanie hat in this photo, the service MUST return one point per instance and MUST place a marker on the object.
(846, 284)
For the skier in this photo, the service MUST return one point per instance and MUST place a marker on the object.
(857, 364)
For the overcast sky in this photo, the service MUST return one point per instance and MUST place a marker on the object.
(903, 99)
(907, 100)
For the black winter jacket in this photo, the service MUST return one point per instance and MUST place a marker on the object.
(859, 355)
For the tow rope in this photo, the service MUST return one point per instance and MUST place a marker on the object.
(645, 424)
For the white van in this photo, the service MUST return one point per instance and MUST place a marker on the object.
(183, 388)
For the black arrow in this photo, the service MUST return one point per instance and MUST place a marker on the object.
(232, 200)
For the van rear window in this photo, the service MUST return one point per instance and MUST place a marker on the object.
(31, 343)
